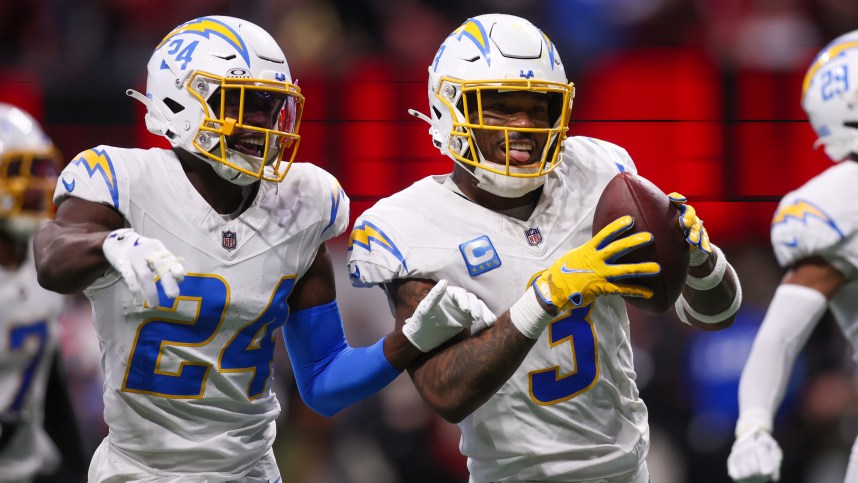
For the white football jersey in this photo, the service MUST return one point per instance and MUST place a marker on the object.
(571, 411)
(820, 219)
(29, 332)
(187, 383)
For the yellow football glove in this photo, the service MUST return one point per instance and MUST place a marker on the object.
(586, 272)
(695, 234)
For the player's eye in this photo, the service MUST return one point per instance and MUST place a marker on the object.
(13, 168)
(263, 101)
(44, 167)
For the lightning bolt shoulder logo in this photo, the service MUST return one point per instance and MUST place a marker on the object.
(803, 211)
(337, 194)
(206, 27)
(98, 161)
(365, 235)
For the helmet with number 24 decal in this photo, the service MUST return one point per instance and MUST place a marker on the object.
(220, 88)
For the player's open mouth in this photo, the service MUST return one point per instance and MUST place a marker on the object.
(519, 150)
(252, 145)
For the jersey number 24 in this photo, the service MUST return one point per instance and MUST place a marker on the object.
(250, 349)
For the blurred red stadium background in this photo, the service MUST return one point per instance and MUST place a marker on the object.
(703, 94)
(732, 142)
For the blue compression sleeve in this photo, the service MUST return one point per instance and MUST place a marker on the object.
(330, 374)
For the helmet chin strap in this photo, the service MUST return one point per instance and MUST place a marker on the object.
(502, 185)
(229, 173)
(837, 148)
(158, 124)
(237, 177)
(234, 176)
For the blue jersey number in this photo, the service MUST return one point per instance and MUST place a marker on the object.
(575, 333)
(18, 337)
(250, 349)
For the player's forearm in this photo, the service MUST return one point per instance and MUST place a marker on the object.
(713, 293)
(330, 374)
(68, 259)
(792, 315)
(399, 351)
(460, 377)
(715, 300)
(763, 384)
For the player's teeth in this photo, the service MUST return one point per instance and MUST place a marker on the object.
(520, 147)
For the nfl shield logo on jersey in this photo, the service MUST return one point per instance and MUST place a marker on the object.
(228, 240)
(534, 236)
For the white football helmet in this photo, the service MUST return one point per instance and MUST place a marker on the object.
(29, 164)
(829, 96)
(494, 53)
(220, 87)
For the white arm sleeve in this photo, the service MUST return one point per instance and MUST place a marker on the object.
(792, 316)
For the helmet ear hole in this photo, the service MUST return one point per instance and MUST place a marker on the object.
(173, 105)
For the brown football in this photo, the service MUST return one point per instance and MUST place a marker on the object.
(629, 194)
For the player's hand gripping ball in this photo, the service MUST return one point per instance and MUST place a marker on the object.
(654, 212)
(695, 234)
(590, 271)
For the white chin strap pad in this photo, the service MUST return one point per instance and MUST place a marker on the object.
(500, 184)
(837, 147)
(506, 186)
(231, 174)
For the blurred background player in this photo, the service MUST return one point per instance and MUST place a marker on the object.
(193, 259)
(813, 236)
(29, 328)
(533, 405)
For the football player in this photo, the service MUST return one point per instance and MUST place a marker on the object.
(813, 237)
(29, 314)
(533, 404)
(193, 258)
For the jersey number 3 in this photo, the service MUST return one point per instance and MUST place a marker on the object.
(573, 332)
(250, 349)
